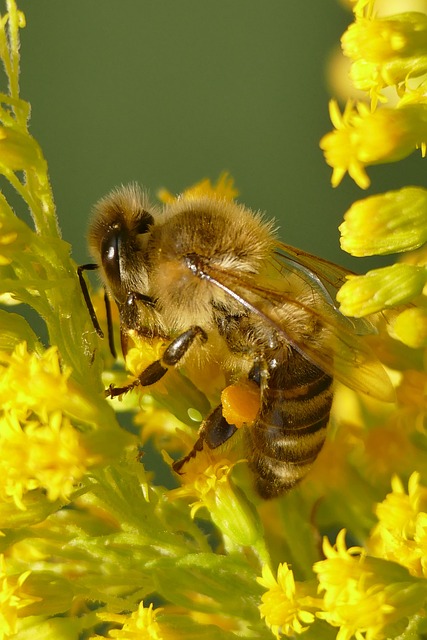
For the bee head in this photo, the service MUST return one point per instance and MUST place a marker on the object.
(118, 237)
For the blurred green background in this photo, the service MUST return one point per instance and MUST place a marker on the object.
(167, 92)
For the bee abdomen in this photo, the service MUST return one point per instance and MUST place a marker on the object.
(289, 433)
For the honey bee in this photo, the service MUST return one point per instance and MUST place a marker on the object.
(209, 276)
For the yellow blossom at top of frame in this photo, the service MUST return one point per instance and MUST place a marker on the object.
(401, 532)
(223, 188)
(379, 39)
(288, 607)
(386, 51)
(12, 599)
(36, 455)
(362, 138)
(365, 597)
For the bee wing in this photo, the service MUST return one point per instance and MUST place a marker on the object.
(343, 351)
(329, 276)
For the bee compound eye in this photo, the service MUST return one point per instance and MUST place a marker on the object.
(110, 255)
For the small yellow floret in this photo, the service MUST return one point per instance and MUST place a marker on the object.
(142, 624)
(12, 599)
(223, 188)
(390, 222)
(401, 534)
(288, 607)
(362, 138)
(381, 289)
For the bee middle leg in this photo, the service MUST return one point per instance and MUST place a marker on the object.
(157, 369)
(215, 430)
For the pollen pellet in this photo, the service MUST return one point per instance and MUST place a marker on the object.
(240, 403)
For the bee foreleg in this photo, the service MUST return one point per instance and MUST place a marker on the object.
(171, 357)
(215, 430)
(180, 345)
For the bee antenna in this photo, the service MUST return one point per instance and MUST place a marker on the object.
(90, 307)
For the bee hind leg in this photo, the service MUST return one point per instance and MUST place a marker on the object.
(215, 430)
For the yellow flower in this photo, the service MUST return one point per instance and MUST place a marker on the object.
(381, 289)
(208, 480)
(12, 600)
(401, 534)
(32, 382)
(362, 138)
(365, 597)
(392, 222)
(386, 50)
(287, 606)
(223, 188)
(36, 455)
(142, 624)
(41, 383)
(41, 448)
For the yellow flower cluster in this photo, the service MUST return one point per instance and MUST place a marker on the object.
(366, 597)
(41, 448)
(386, 52)
(401, 532)
(378, 590)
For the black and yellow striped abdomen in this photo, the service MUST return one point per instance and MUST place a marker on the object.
(290, 429)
